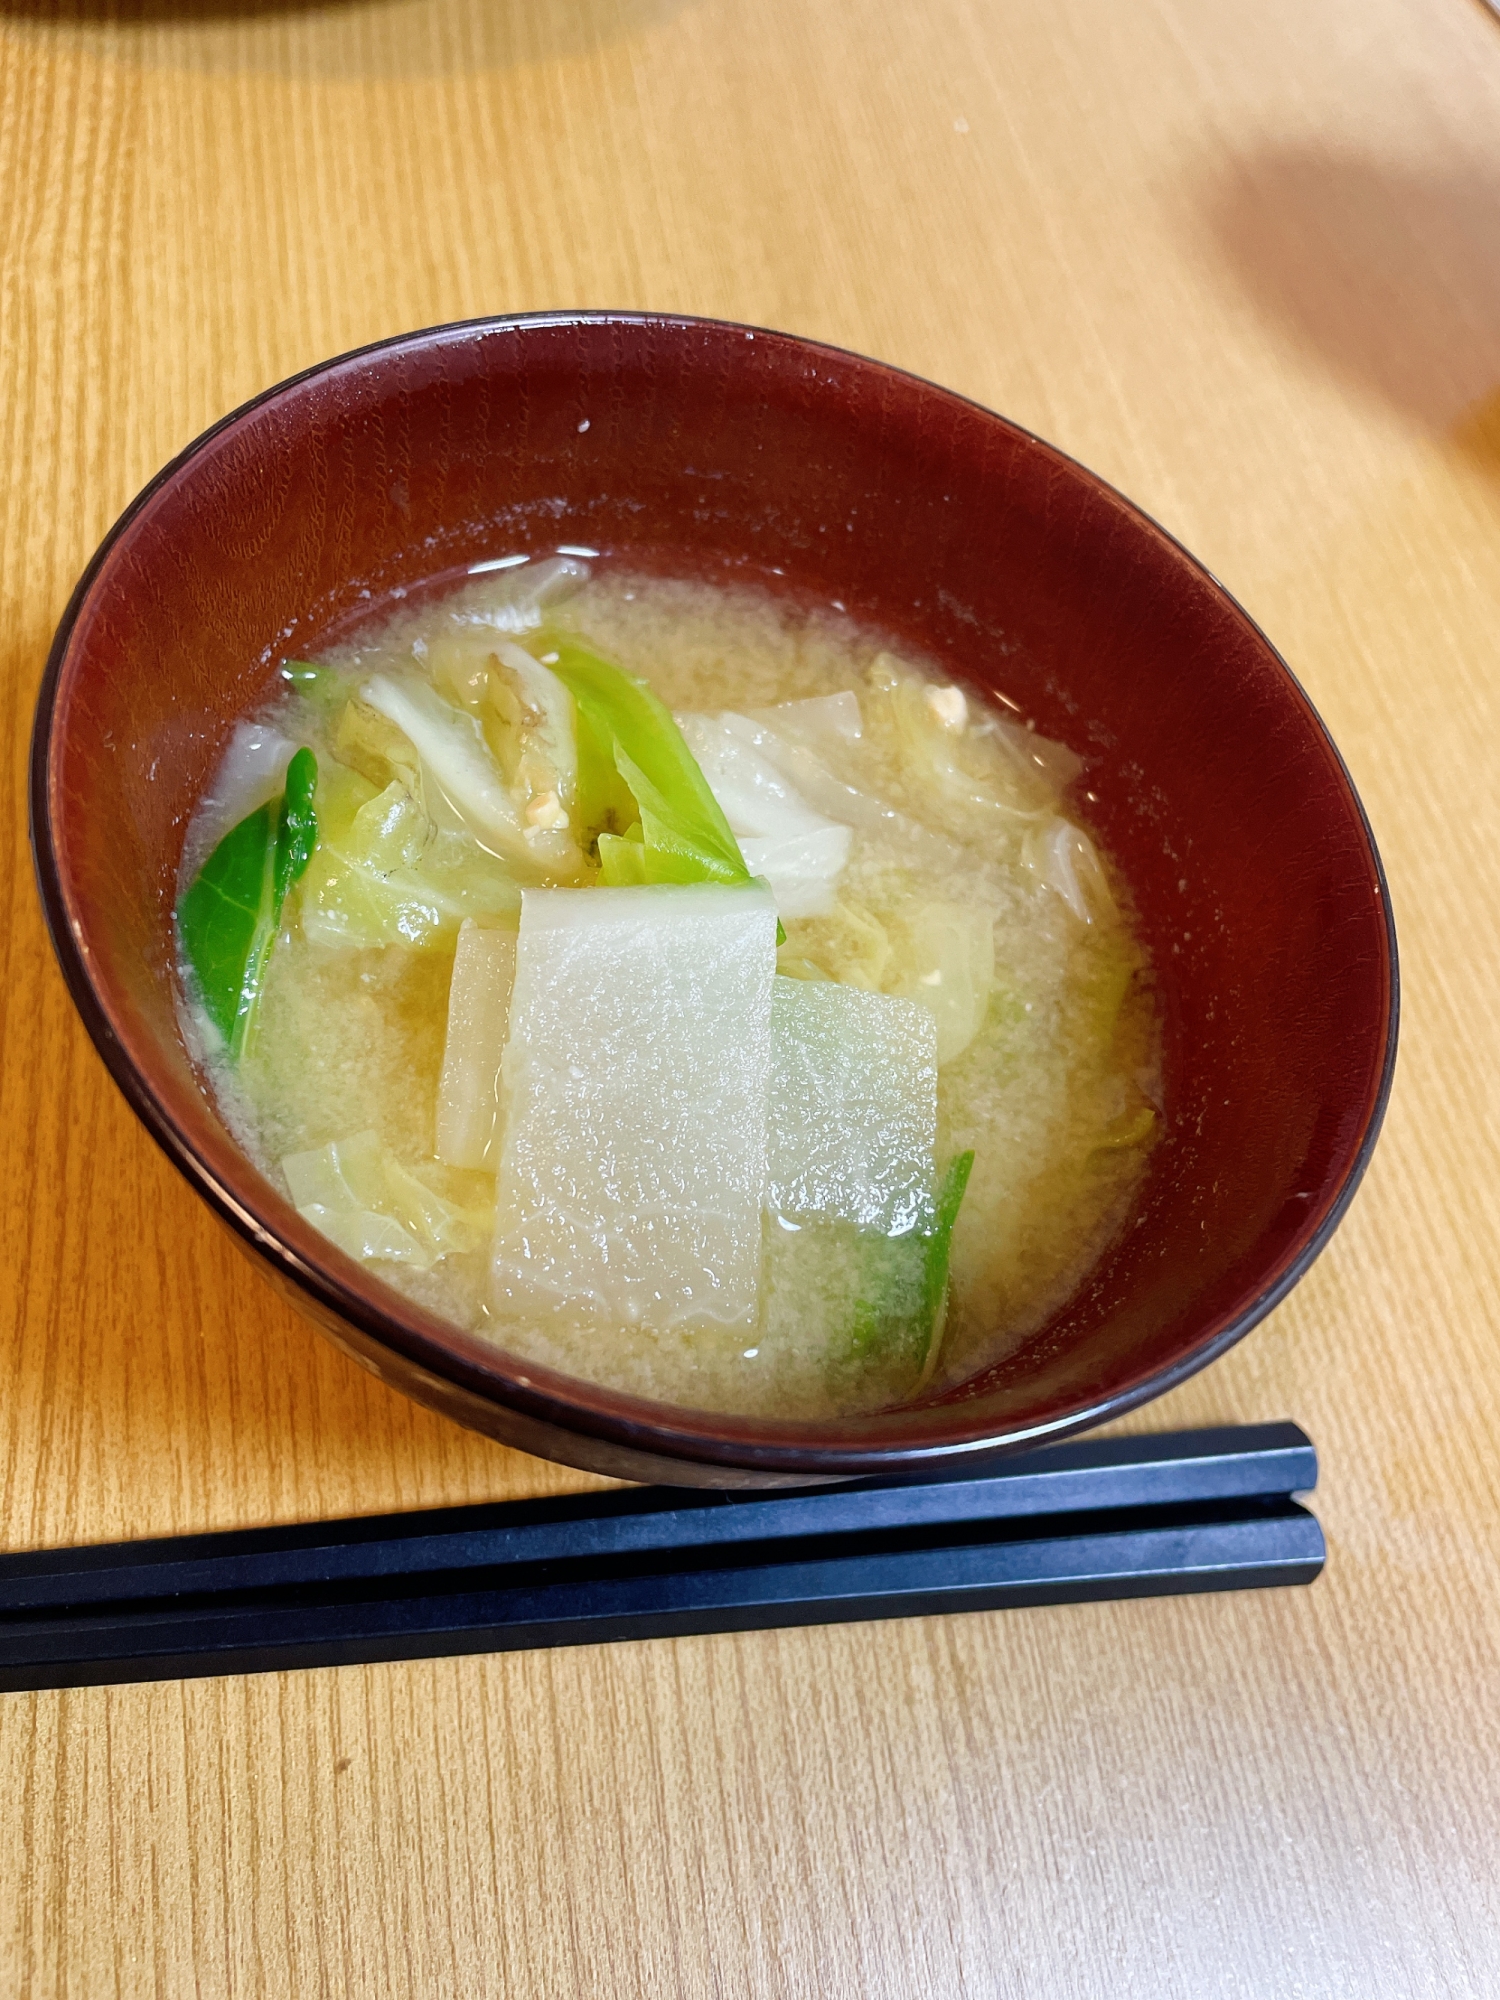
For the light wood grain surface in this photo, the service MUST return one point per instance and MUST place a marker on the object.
(1245, 261)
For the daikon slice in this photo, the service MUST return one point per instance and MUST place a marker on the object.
(853, 1121)
(484, 968)
(635, 1085)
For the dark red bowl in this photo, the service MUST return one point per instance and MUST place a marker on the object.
(742, 452)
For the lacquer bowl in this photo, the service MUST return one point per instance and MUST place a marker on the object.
(750, 454)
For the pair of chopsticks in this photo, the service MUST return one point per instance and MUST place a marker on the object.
(1072, 1523)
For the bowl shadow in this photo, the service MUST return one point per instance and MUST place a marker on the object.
(128, 13)
(337, 39)
(1384, 271)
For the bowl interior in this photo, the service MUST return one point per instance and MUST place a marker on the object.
(749, 454)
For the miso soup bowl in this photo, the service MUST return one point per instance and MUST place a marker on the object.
(737, 453)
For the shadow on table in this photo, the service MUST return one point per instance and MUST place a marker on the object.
(1389, 274)
(337, 38)
(130, 13)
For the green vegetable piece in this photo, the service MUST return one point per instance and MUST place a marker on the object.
(887, 1311)
(684, 834)
(227, 919)
(622, 858)
(685, 840)
(904, 1279)
(639, 786)
(220, 917)
(297, 828)
(937, 1241)
(602, 799)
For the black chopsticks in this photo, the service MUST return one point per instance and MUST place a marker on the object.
(1100, 1518)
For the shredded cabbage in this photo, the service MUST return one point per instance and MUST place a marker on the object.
(947, 963)
(370, 743)
(458, 765)
(927, 727)
(361, 1197)
(799, 852)
(786, 745)
(851, 945)
(383, 874)
(525, 715)
(519, 597)
(826, 722)
(1062, 855)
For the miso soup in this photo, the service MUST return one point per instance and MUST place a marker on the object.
(676, 983)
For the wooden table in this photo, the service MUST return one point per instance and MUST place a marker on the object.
(1241, 259)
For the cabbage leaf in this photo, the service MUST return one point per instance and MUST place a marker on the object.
(363, 1199)
(629, 743)
(384, 875)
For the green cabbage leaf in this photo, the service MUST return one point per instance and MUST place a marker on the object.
(638, 782)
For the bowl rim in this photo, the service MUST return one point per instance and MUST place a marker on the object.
(704, 1439)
